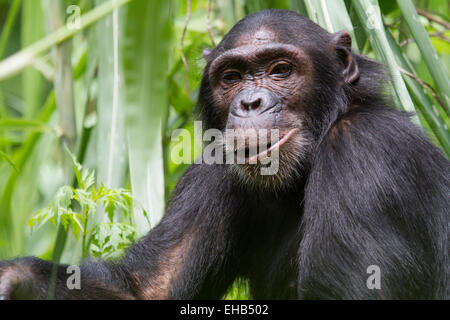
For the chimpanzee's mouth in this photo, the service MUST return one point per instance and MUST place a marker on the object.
(251, 155)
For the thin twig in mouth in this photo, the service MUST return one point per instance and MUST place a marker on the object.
(270, 148)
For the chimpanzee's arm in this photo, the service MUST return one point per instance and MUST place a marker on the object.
(189, 254)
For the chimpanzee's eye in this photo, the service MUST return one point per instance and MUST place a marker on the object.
(281, 70)
(231, 76)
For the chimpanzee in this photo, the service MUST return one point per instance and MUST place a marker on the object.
(359, 187)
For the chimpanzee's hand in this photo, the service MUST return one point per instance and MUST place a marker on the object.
(18, 279)
(29, 278)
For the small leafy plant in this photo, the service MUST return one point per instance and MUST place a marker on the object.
(73, 207)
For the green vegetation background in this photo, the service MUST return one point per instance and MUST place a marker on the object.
(111, 90)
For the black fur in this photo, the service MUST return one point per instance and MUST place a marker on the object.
(375, 192)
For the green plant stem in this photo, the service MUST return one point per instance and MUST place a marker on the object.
(63, 80)
(61, 235)
(83, 243)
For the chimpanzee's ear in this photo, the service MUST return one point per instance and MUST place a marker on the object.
(206, 52)
(342, 44)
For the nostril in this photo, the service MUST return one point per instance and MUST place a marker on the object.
(251, 105)
(256, 104)
(245, 105)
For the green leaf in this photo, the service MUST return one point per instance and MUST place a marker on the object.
(33, 29)
(85, 177)
(369, 12)
(63, 197)
(422, 102)
(22, 124)
(8, 231)
(57, 211)
(88, 178)
(332, 16)
(109, 239)
(8, 159)
(77, 168)
(111, 138)
(40, 218)
(7, 27)
(147, 40)
(429, 54)
(85, 200)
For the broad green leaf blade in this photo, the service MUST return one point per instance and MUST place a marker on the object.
(230, 11)
(369, 11)
(147, 40)
(358, 28)
(251, 6)
(423, 104)
(4, 38)
(33, 29)
(9, 23)
(429, 54)
(331, 15)
(299, 6)
(22, 124)
(111, 139)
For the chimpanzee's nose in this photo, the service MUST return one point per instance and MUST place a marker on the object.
(251, 104)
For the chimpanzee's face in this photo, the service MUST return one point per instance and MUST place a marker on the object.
(262, 88)
(276, 83)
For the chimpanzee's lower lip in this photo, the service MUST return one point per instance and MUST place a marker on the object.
(267, 152)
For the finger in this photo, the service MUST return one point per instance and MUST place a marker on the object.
(6, 288)
(8, 282)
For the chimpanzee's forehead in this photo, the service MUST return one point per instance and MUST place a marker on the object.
(273, 27)
(262, 36)
(267, 34)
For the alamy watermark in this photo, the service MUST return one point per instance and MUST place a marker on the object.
(374, 20)
(74, 280)
(231, 146)
(374, 280)
(74, 17)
